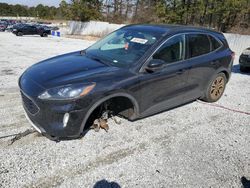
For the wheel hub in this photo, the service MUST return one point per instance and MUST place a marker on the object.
(217, 87)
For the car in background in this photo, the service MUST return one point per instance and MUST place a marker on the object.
(26, 29)
(134, 72)
(245, 60)
(52, 28)
(3, 25)
(49, 28)
(9, 28)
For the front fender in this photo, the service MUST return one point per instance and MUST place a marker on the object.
(101, 100)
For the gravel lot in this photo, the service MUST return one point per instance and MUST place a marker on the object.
(191, 146)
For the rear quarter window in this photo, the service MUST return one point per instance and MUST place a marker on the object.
(215, 44)
(198, 44)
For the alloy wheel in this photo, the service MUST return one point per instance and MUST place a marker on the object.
(217, 87)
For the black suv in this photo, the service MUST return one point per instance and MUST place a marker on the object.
(25, 29)
(3, 25)
(134, 72)
(245, 60)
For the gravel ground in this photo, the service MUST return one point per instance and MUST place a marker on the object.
(195, 145)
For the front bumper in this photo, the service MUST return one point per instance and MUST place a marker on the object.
(47, 117)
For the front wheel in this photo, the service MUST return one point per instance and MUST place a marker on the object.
(44, 35)
(215, 88)
(19, 34)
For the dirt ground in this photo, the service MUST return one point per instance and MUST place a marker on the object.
(195, 145)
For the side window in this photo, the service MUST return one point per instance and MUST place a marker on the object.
(172, 51)
(198, 44)
(214, 43)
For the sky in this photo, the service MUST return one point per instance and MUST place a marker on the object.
(33, 2)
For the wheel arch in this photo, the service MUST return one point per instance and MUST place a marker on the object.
(102, 100)
(227, 74)
(224, 71)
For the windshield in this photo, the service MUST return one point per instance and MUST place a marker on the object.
(123, 46)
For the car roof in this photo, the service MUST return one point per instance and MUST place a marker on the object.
(166, 28)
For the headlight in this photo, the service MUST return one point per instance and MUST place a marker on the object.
(67, 92)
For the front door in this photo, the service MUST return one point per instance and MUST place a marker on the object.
(165, 88)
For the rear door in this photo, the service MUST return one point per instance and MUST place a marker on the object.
(202, 58)
(165, 88)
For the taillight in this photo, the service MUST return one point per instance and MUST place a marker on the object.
(233, 55)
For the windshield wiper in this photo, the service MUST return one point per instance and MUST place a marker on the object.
(99, 60)
(96, 59)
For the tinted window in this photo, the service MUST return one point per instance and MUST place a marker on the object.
(214, 43)
(199, 44)
(172, 50)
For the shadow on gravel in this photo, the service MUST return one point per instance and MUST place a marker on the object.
(245, 182)
(236, 69)
(105, 184)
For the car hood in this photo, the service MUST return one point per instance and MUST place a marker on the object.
(66, 69)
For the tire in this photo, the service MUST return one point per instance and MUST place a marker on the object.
(19, 34)
(44, 35)
(215, 88)
(243, 69)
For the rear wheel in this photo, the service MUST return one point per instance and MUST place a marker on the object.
(19, 33)
(215, 88)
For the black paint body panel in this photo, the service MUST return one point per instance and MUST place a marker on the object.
(173, 85)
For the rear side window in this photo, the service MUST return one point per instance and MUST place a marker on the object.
(172, 51)
(198, 44)
(215, 44)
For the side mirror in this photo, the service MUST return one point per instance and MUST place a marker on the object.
(154, 64)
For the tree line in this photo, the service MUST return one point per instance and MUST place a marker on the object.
(222, 15)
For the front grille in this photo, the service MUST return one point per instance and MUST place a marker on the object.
(29, 104)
